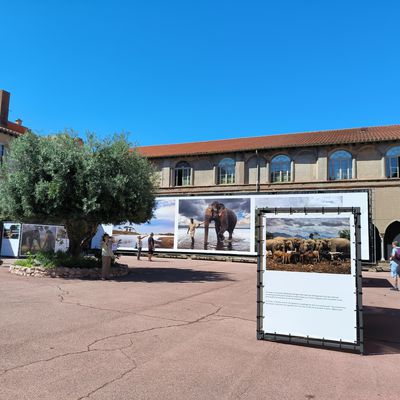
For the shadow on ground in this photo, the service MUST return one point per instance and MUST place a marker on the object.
(381, 330)
(173, 275)
(376, 282)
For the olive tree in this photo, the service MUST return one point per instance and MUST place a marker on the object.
(62, 180)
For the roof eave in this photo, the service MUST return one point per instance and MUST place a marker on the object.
(10, 132)
(333, 143)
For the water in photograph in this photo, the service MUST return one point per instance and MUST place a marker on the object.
(129, 241)
(240, 240)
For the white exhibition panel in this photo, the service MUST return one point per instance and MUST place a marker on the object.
(10, 240)
(101, 230)
(311, 304)
(172, 216)
(334, 199)
(314, 305)
(42, 237)
(19, 239)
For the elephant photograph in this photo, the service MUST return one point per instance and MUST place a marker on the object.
(216, 224)
(309, 244)
(37, 238)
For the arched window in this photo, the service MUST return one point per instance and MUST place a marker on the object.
(280, 169)
(340, 165)
(393, 162)
(183, 174)
(226, 171)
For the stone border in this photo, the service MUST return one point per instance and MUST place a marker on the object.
(70, 273)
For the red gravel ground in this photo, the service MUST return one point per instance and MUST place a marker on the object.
(178, 329)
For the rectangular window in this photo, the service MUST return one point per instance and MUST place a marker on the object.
(182, 176)
(393, 167)
(340, 169)
(226, 176)
(280, 176)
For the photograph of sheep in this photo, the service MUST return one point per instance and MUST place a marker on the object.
(306, 243)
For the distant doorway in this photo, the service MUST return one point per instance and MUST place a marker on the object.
(378, 245)
(392, 233)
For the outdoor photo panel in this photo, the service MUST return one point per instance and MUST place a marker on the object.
(223, 224)
(215, 224)
(326, 200)
(39, 237)
(309, 276)
(11, 231)
(162, 225)
(10, 240)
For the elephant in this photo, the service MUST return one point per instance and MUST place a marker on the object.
(341, 245)
(31, 239)
(224, 220)
(322, 245)
(275, 244)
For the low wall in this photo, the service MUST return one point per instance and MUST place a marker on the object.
(64, 272)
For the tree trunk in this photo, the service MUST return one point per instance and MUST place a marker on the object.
(80, 233)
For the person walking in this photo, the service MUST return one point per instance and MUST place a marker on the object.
(394, 265)
(150, 245)
(106, 256)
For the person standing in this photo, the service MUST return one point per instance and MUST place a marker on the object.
(192, 231)
(150, 245)
(106, 256)
(394, 265)
(139, 245)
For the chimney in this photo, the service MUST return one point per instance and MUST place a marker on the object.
(18, 121)
(4, 107)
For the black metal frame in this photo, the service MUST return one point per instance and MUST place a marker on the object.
(358, 346)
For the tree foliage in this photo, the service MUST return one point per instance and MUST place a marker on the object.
(345, 234)
(61, 179)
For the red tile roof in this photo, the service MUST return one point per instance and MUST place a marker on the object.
(305, 139)
(16, 128)
(13, 129)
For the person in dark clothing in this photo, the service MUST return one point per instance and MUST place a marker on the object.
(150, 245)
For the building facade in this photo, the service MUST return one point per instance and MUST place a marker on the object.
(341, 160)
(8, 130)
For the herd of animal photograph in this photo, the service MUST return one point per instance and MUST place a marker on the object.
(319, 255)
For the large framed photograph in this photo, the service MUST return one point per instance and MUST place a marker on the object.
(212, 224)
(223, 224)
(327, 200)
(309, 275)
(308, 243)
(39, 237)
(162, 225)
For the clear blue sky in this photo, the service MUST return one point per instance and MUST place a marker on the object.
(176, 71)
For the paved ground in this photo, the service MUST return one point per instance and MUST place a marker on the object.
(178, 329)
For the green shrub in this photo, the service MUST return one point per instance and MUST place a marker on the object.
(29, 261)
(59, 259)
(25, 263)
